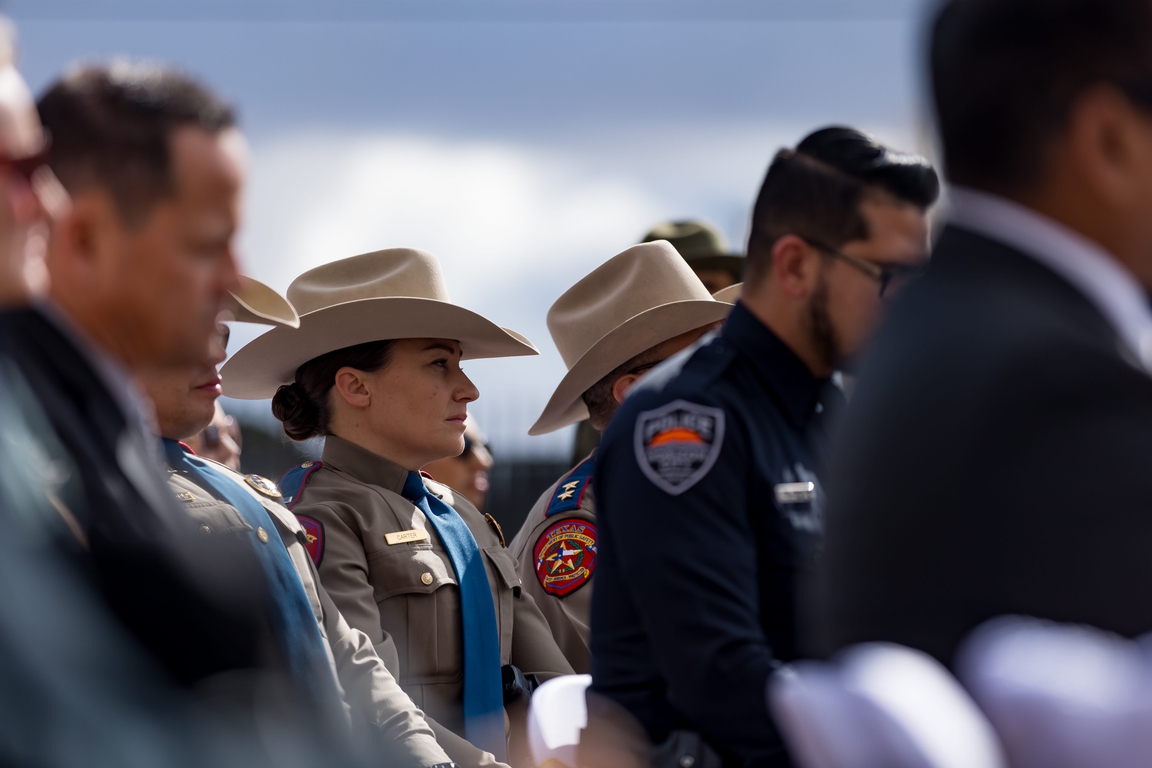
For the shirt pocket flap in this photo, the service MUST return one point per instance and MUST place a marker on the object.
(412, 570)
(505, 566)
(213, 516)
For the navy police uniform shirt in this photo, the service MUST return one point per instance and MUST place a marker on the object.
(710, 514)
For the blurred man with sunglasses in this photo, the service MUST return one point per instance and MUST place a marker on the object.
(468, 472)
(708, 479)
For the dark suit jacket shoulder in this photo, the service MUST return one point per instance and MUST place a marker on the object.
(994, 460)
(197, 605)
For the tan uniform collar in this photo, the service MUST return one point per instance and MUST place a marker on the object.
(363, 464)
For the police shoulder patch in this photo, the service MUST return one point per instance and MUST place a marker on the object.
(294, 480)
(313, 538)
(678, 443)
(570, 490)
(565, 556)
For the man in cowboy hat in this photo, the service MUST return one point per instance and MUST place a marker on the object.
(705, 250)
(625, 317)
(708, 479)
(224, 502)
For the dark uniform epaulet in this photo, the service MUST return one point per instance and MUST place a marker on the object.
(294, 480)
(570, 490)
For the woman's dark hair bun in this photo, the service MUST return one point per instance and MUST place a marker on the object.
(295, 409)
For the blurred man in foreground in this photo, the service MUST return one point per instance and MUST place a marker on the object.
(139, 269)
(75, 688)
(708, 479)
(996, 456)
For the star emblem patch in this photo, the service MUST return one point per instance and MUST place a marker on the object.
(565, 556)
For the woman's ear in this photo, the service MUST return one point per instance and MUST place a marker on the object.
(351, 385)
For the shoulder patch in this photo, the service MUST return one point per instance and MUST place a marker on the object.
(677, 444)
(565, 556)
(313, 538)
(295, 479)
(263, 485)
(570, 490)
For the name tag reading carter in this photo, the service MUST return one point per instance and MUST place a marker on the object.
(406, 537)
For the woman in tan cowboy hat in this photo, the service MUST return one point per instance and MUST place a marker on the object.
(375, 368)
(625, 317)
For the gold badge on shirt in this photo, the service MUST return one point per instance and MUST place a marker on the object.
(263, 485)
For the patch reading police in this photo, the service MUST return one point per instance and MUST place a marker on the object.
(677, 444)
(313, 537)
(565, 556)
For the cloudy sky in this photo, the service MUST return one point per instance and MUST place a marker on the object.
(521, 141)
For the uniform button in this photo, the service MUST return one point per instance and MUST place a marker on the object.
(205, 530)
(687, 761)
(426, 578)
(262, 535)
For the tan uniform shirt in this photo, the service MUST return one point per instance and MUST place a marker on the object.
(370, 692)
(556, 551)
(402, 590)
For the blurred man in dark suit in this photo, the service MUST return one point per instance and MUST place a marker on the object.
(996, 454)
(139, 268)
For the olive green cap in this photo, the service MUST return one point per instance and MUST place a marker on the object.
(701, 245)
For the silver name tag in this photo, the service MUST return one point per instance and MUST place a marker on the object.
(794, 493)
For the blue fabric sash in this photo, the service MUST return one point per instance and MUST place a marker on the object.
(483, 689)
(292, 615)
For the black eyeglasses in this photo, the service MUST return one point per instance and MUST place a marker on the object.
(891, 278)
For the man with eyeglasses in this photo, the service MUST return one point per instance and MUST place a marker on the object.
(708, 479)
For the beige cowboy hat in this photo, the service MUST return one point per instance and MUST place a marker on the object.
(257, 303)
(632, 302)
(397, 293)
(728, 295)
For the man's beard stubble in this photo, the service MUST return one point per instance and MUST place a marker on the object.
(821, 331)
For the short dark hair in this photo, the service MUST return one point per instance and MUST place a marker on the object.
(1005, 74)
(302, 406)
(599, 399)
(111, 126)
(815, 190)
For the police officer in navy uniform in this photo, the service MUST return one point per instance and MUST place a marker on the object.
(708, 479)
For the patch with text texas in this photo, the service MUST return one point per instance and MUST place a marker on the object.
(565, 556)
(677, 444)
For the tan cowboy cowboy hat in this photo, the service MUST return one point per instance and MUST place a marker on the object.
(397, 293)
(632, 302)
(257, 303)
(728, 295)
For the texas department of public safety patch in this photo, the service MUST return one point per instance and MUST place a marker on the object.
(677, 444)
(565, 556)
(313, 537)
